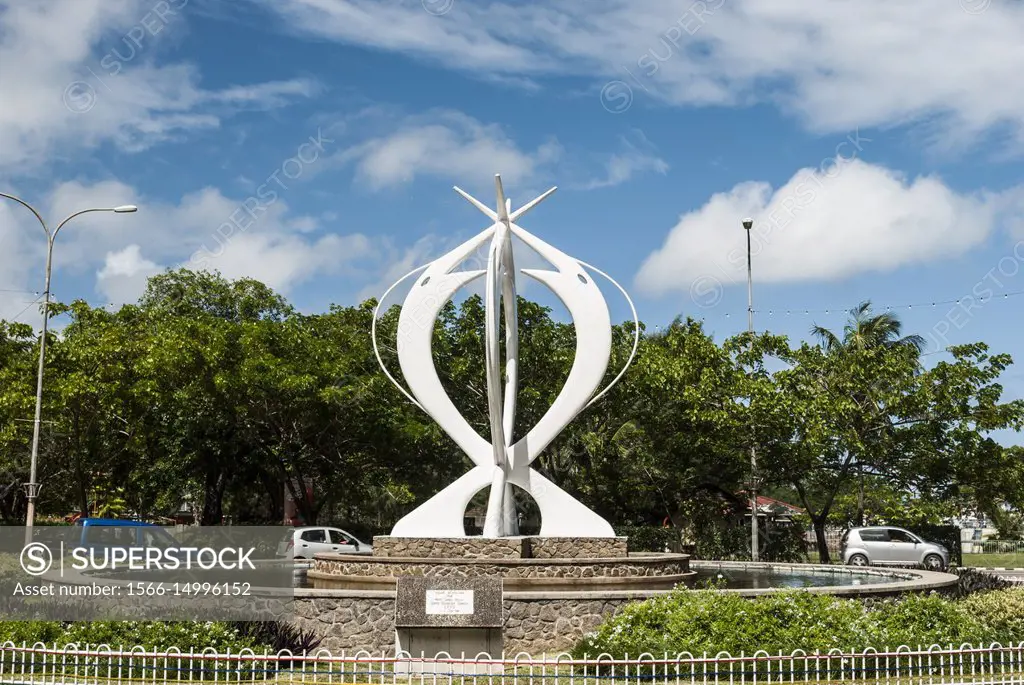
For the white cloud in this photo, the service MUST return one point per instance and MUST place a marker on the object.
(285, 261)
(203, 230)
(637, 156)
(78, 73)
(124, 274)
(446, 143)
(835, 64)
(824, 225)
(21, 244)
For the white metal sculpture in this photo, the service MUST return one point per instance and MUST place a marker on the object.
(502, 463)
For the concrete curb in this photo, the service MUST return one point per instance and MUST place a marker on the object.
(909, 580)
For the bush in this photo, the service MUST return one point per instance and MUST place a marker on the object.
(999, 613)
(279, 637)
(972, 580)
(711, 621)
(184, 635)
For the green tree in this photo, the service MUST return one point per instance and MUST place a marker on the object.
(835, 411)
(866, 331)
(18, 357)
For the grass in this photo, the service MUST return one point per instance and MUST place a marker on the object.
(994, 560)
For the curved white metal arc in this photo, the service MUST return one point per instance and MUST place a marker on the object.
(373, 335)
(511, 308)
(561, 514)
(589, 312)
(636, 334)
(509, 520)
(443, 515)
(418, 367)
(416, 326)
(492, 346)
(493, 522)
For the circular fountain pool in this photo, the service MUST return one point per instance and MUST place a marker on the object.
(750, 578)
(732, 576)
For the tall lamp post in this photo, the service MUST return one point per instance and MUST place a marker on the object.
(31, 487)
(754, 553)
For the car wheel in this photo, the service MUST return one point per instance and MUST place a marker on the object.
(933, 562)
(858, 560)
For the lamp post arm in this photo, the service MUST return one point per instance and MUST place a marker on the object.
(29, 208)
(72, 216)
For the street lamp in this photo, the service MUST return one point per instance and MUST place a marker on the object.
(748, 224)
(31, 487)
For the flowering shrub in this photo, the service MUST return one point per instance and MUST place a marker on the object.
(1000, 614)
(711, 621)
(184, 635)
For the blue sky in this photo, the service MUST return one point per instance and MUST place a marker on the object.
(877, 145)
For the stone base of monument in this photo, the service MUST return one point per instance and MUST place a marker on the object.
(472, 596)
(461, 617)
(521, 547)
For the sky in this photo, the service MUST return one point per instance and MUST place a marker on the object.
(877, 145)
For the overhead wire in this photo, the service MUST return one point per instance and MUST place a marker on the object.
(844, 309)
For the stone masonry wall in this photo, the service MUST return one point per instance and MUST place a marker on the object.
(627, 568)
(553, 625)
(526, 547)
(530, 626)
(448, 548)
(349, 623)
(576, 548)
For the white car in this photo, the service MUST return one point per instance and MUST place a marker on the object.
(889, 546)
(303, 543)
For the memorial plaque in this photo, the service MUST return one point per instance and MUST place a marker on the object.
(432, 602)
(449, 602)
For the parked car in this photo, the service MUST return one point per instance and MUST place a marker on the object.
(304, 542)
(97, 533)
(889, 546)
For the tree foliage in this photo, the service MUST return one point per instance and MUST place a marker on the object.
(219, 397)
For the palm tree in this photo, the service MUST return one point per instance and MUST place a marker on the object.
(864, 331)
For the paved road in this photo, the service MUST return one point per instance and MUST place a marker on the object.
(1014, 575)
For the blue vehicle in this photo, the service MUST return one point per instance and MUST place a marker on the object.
(100, 533)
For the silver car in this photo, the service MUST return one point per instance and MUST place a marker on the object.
(888, 546)
(303, 543)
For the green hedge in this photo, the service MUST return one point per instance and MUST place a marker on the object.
(712, 621)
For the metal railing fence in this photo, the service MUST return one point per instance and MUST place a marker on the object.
(993, 547)
(102, 665)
